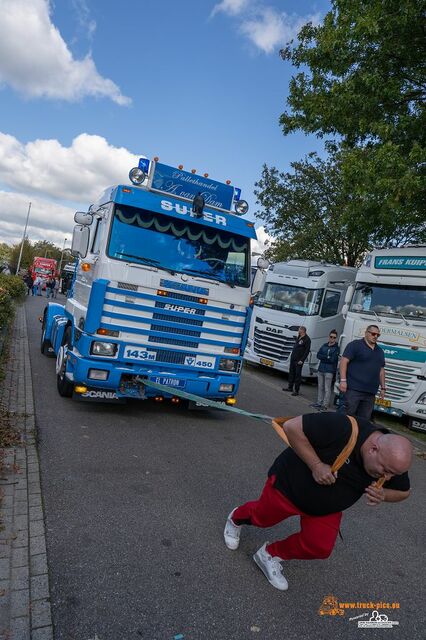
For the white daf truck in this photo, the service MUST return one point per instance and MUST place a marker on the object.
(295, 293)
(390, 291)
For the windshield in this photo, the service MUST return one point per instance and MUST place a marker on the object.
(43, 271)
(144, 237)
(305, 302)
(390, 300)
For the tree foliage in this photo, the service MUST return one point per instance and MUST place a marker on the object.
(362, 85)
(315, 212)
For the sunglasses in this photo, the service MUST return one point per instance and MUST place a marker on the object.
(373, 333)
(333, 337)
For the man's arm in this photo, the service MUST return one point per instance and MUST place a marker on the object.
(343, 373)
(302, 447)
(376, 496)
(382, 382)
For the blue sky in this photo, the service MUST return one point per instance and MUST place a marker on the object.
(86, 86)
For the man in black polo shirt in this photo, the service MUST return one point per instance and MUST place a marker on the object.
(362, 370)
(301, 483)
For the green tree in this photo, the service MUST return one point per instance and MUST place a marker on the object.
(5, 253)
(364, 84)
(45, 249)
(315, 212)
(27, 255)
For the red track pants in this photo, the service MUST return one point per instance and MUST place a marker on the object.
(316, 537)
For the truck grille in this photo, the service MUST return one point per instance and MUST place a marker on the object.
(274, 346)
(176, 318)
(401, 379)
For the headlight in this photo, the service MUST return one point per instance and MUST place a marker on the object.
(229, 364)
(98, 374)
(241, 207)
(421, 399)
(104, 348)
(226, 388)
(137, 175)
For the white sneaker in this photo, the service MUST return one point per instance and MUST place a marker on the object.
(271, 567)
(232, 533)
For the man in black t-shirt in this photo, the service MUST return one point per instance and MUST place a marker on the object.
(301, 483)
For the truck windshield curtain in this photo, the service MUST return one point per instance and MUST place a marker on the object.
(144, 237)
(284, 297)
(390, 300)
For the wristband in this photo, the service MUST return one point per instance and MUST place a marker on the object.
(343, 380)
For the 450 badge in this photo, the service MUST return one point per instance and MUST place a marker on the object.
(131, 352)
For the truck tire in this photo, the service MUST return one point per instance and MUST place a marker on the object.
(64, 386)
(46, 345)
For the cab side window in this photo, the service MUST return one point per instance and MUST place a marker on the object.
(97, 234)
(330, 305)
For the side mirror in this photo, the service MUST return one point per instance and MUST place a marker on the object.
(349, 293)
(258, 282)
(263, 263)
(345, 310)
(81, 217)
(80, 241)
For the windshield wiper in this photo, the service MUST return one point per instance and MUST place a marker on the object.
(148, 261)
(195, 272)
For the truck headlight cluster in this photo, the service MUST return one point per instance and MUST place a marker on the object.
(226, 388)
(229, 364)
(104, 348)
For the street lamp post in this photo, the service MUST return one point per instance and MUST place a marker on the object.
(23, 238)
(62, 255)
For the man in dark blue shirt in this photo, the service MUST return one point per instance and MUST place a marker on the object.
(362, 371)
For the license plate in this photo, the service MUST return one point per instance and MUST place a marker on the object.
(267, 362)
(169, 382)
(139, 353)
(383, 403)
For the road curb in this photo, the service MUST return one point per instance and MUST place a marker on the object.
(25, 611)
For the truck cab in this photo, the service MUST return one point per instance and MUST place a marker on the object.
(295, 293)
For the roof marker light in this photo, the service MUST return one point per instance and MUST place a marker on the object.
(193, 170)
(180, 166)
(206, 175)
(156, 159)
(228, 182)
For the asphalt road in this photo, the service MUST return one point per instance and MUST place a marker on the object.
(136, 497)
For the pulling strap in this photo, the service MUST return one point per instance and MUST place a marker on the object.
(278, 425)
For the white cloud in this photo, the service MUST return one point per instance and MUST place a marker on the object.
(263, 242)
(269, 29)
(77, 173)
(231, 7)
(48, 220)
(35, 60)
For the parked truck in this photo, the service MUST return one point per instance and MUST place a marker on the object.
(295, 293)
(161, 291)
(390, 291)
(45, 268)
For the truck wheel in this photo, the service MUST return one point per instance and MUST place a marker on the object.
(46, 345)
(64, 386)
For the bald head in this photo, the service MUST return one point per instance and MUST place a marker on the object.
(396, 451)
(386, 454)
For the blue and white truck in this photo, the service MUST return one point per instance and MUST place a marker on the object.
(161, 291)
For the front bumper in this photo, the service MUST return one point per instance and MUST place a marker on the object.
(126, 380)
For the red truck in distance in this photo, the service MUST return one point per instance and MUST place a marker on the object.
(45, 268)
